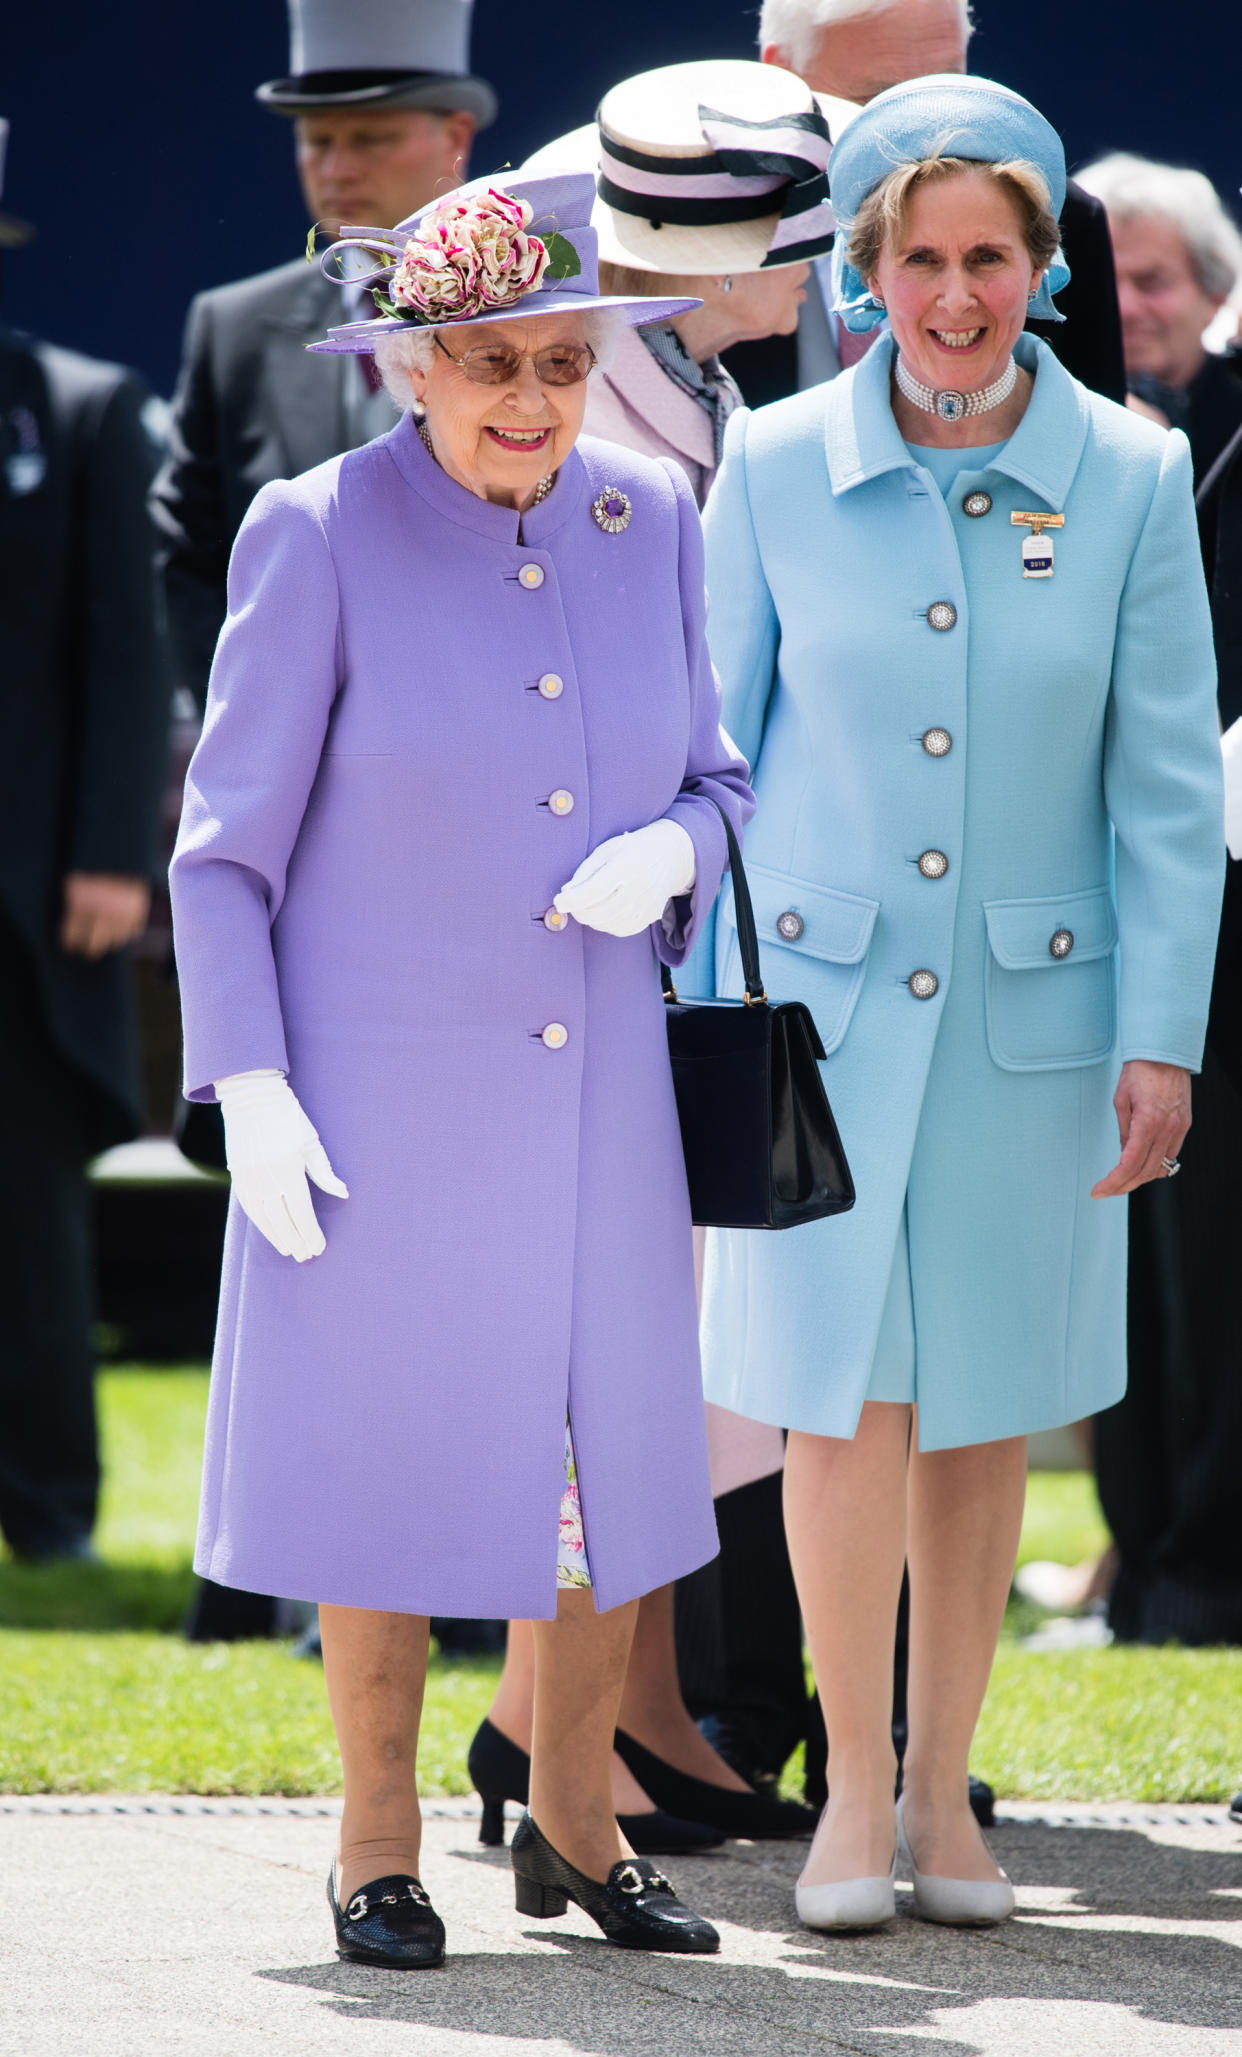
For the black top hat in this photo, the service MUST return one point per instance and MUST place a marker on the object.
(380, 53)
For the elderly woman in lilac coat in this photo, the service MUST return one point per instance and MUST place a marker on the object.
(459, 786)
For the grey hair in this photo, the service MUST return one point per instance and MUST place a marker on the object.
(396, 356)
(794, 25)
(1131, 187)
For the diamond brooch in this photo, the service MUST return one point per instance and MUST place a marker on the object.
(612, 510)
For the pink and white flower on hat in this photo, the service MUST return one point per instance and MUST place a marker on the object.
(469, 256)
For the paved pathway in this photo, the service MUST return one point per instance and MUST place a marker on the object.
(152, 1929)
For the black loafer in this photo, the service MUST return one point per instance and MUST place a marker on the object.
(391, 1921)
(636, 1906)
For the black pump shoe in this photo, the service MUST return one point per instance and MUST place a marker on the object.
(391, 1921)
(500, 1771)
(755, 1815)
(636, 1906)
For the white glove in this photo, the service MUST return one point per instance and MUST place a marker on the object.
(1231, 750)
(626, 883)
(272, 1150)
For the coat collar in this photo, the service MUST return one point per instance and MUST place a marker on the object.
(1043, 453)
(674, 416)
(502, 524)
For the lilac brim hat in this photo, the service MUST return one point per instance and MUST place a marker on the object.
(502, 249)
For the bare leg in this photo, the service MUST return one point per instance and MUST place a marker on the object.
(375, 1666)
(652, 1709)
(513, 1712)
(845, 1505)
(580, 1661)
(965, 1513)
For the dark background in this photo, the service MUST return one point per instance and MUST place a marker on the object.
(140, 153)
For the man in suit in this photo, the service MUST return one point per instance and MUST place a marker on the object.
(83, 740)
(852, 50)
(384, 111)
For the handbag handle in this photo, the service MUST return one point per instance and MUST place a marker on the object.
(744, 914)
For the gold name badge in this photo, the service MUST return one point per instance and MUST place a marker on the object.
(1037, 546)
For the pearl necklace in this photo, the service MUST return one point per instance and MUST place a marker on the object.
(951, 405)
(541, 490)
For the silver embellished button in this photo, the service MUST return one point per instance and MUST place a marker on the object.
(551, 685)
(937, 742)
(561, 802)
(1062, 943)
(555, 920)
(555, 1036)
(790, 925)
(976, 504)
(923, 984)
(933, 864)
(531, 576)
(942, 614)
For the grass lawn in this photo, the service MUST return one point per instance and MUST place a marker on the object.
(98, 1693)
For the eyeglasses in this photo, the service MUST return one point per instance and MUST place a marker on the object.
(498, 364)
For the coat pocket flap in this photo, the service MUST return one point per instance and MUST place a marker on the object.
(800, 916)
(1065, 928)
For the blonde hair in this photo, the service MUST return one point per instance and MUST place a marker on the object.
(882, 215)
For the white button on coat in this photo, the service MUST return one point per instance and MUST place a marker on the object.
(531, 576)
(561, 802)
(555, 1036)
(551, 685)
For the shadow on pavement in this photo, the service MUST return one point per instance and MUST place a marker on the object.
(1115, 1929)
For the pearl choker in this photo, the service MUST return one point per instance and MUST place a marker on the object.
(951, 405)
(541, 490)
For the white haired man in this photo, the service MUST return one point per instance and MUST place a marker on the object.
(1178, 258)
(852, 50)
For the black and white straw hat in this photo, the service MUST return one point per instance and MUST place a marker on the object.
(377, 54)
(715, 166)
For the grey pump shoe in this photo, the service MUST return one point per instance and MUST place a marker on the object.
(847, 1903)
(959, 1902)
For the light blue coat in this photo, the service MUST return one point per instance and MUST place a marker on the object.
(1081, 793)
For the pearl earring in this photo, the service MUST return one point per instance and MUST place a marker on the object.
(879, 303)
(726, 285)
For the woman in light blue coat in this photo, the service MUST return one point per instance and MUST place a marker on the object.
(957, 608)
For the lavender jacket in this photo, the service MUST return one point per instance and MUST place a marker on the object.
(406, 678)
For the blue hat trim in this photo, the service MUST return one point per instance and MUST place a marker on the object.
(962, 116)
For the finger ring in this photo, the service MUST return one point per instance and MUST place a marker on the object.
(1172, 1166)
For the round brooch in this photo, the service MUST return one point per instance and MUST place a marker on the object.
(612, 510)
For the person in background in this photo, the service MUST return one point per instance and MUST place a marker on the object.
(384, 110)
(1178, 258)
(1166, 1456)
(84, 722)
(852, 50)
(959, 616)
(666, 394)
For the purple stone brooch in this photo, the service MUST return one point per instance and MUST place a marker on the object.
(612, 510)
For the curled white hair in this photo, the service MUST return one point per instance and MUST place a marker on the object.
(793, 25)
(1133, 187)
(396, 356)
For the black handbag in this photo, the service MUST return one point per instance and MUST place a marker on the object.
(761, 1146)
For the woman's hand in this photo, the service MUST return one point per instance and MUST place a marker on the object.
(626, 883)
(1153, 1114)
(272, 1149)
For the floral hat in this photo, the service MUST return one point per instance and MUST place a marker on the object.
(493, 250)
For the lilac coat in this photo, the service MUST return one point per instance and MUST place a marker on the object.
(366, 856)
